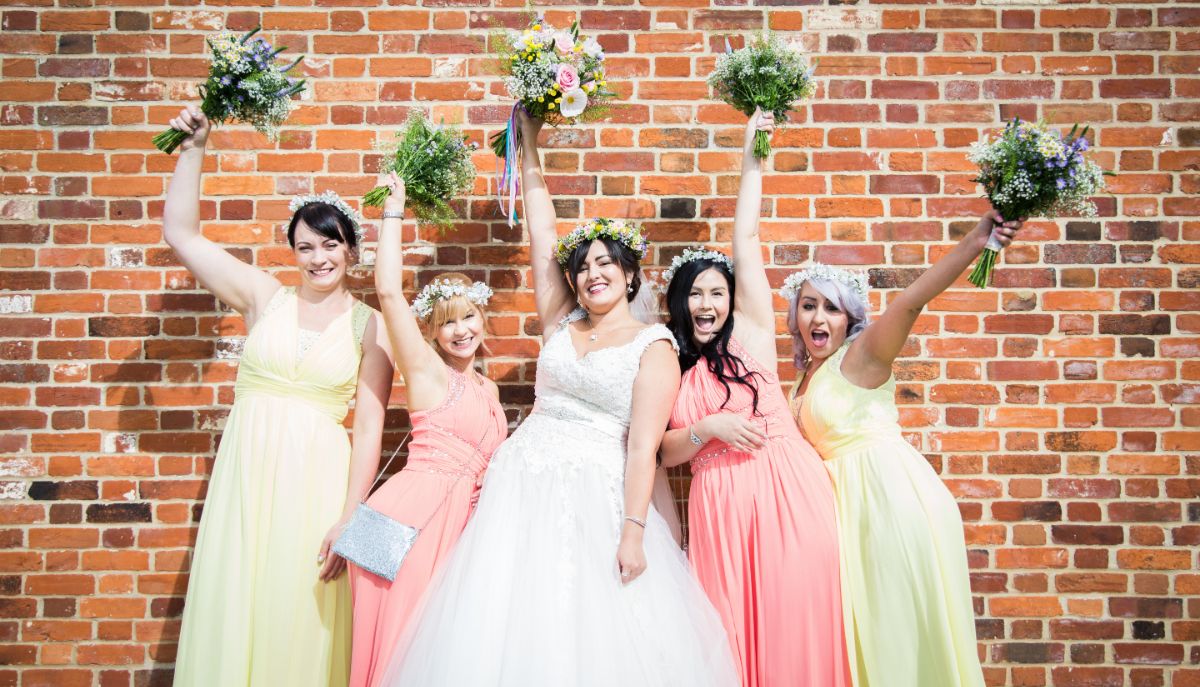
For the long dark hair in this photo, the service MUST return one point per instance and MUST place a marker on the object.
(726, 366)
(618, 251)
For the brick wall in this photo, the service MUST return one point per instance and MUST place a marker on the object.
(1060, 407)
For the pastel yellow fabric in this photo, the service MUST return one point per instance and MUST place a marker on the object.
(905, 587)
(256, 613)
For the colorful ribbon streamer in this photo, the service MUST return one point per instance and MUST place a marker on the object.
(510, 175)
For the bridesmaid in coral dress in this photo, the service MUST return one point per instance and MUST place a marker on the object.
(457, 422)
(762, 529)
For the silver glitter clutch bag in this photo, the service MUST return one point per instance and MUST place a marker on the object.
(375, 542)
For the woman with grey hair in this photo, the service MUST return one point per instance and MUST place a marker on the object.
(906, 591)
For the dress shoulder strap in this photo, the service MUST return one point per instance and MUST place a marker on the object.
(573, 316)
(359, 318)
(654, 332)
(278, 298)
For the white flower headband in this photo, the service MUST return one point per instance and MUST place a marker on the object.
(332, 198)
(692, 254)
(856, 281)
(443, 289)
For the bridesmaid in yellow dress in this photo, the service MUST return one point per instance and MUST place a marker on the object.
(266, 603)
(905, 586)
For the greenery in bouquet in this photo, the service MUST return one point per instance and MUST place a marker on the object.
(768, 74)
(245, 84)
(435, 164)
(1032, 170)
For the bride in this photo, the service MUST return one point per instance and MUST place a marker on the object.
(565, 576)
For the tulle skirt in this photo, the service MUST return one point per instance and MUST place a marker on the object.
(531, 595)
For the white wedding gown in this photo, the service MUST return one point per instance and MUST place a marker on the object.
(531, 595)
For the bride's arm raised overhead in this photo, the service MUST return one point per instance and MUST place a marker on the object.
(550, 290)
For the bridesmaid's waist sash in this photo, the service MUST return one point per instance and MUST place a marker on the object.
(323, 400)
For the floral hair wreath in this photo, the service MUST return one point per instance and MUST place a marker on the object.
(628, 234)
(444, 289)
(332, 198)
(855, 281)
(691, 255)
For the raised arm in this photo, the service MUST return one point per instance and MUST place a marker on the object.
(869, 361)
(551, 293)
(370, 403)
(752, 303)
(243, 287)
(422, 368)
(654, 392)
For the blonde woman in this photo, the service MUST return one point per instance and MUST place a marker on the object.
(457, 422)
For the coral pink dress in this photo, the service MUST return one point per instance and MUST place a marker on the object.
(450, 448)
(763, 536)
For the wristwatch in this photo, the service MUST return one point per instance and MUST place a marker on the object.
(695, 439)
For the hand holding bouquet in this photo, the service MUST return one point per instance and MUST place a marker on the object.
(554, 75)
(1032, 170)
(435, 164)
(244, 83)
(767, 74)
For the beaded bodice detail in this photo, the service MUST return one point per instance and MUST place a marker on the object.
(595, 389)
(457, 437)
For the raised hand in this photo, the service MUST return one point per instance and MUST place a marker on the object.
(193, 122)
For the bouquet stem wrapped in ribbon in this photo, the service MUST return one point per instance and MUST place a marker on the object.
(554, 75)
(1033, 170)
(244, 83)
(435, 164)
(767, 74)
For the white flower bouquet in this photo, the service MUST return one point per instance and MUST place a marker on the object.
(768, 74)
(1031, 170)
(244, 83)
(554, 75)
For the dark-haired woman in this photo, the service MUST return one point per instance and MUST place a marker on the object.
(762, 528)
(565, 575)
(265, 600)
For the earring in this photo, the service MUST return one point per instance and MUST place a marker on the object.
(629, 289)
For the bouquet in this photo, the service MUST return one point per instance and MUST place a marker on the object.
(767, 74)
(435, 164)
(1033, 170)
(554, 75)
(244, 83)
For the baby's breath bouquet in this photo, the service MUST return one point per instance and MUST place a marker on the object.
(554, 75)
(768, 74)
(435, 164)
(244, 83)
(1032, 170)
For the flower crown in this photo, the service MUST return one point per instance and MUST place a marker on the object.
(444, 289)
(692, 254)
(856, 281)
(332, 198)
(627, 233)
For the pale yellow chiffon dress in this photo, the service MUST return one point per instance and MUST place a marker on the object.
(906, 590)
(256, 613)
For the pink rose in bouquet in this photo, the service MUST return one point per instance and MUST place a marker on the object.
(567, 78)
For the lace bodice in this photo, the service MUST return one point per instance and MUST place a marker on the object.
(597, 389)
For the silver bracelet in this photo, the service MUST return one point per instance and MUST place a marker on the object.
(637, 521)
(692, 436)
(392, 214)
